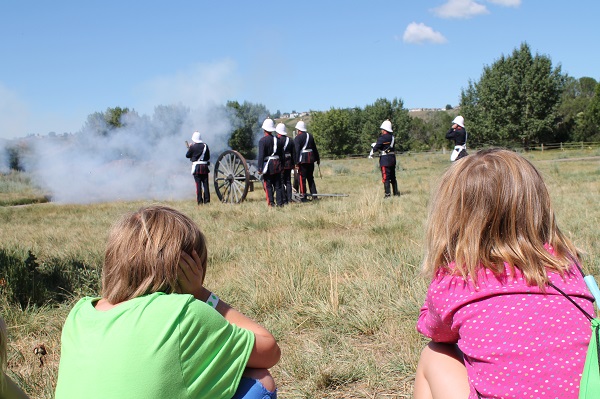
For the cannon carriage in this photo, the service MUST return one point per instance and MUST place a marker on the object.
(234, 177)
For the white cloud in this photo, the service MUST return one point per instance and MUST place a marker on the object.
(13, 114)
(462, 9)
(419, 33)
(506, 3)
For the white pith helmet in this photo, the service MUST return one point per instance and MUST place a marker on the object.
(268, 125)
(459, 120)
(196, 138)
(280, 129)
(301, 126)
(387, 126)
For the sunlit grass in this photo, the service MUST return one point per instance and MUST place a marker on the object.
(336, 280)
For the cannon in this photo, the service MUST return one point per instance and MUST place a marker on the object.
(234, 177)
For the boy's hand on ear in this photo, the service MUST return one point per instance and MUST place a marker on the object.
(191, 277)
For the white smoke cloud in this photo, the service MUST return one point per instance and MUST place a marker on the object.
(419, 33)
(199, 86)
(13, 113)
(462, 9)
(144, 159)
(4, 162)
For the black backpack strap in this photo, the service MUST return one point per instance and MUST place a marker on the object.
(586, 314)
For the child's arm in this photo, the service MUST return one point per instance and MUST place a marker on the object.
(435, 317)
(266, 351)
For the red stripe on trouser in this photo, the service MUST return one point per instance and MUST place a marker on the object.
(302, 188)
(266, 192)
(383, 176)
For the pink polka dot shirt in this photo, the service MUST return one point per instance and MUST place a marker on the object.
(517, 342)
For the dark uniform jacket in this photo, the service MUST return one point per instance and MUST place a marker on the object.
(266, 149)
(194, 152)
(385, 146)
(289, 151)
(459, 135)
(306, 152)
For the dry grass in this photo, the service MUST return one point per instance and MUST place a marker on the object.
(336, 280)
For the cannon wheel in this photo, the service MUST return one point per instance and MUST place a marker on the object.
(231, 177)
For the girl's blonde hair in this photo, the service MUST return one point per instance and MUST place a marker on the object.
(143, 251)
(493, 207)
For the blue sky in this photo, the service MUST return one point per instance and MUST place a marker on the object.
(63, 60)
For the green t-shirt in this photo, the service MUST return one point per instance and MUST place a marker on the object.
(155, 346)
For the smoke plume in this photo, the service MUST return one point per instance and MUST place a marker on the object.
(144, 159)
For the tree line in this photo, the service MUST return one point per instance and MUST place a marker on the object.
(520, 100)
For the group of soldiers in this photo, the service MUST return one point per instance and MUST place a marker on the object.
(278, 156)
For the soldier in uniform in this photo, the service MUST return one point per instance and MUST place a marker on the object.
(289, 154)
(387, 158)
(306, 156)
(458, 133)
(270, 155)
(199, 154)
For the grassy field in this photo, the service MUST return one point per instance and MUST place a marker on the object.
(336, 280)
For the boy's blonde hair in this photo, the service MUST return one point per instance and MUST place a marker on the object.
(143, 251)
(493, 207)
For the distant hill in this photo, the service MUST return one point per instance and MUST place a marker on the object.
(427, 114)
(290, 123)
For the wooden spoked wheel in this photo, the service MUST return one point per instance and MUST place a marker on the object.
(231, 177)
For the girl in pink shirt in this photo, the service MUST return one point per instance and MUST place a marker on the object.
(498, 327)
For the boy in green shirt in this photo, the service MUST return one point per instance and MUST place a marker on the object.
(157, 332)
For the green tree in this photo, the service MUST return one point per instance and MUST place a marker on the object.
(96, 124)
(247, 119)
(374, 114)
(440, 123)
(334, 131)
(401, 124)
(105, 123)
(515, 101)
(575, 99)
(590, 119)
(419, 134)
(351, 131)
(113, 116)
(429, 132)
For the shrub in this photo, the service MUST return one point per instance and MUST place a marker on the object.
(24, 281)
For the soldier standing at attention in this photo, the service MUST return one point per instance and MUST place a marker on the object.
(306, 156)
(387, 158)
(458, 133)
(269, 163)
(199, 154)
(289, 154)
